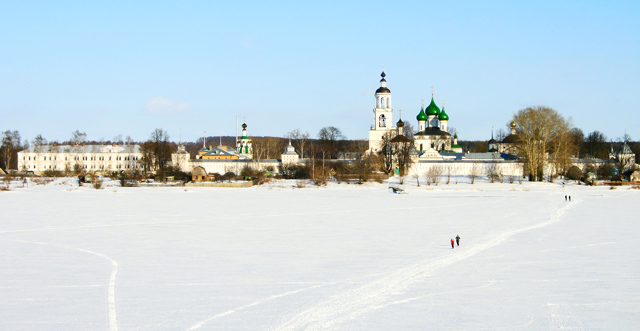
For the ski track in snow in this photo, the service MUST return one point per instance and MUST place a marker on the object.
(209, 319)
(113, 320)
(349, 304)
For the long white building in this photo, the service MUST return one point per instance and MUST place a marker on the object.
(89, 158)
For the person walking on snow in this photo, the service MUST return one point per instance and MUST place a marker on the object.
(458, 240)
(569, 198)
(565, 198)
(452, 242)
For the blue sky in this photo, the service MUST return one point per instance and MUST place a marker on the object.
(125, 68)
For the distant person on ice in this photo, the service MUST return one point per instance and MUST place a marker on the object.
(452, 242)
(458, 240)
(569, 198)
(565, 198)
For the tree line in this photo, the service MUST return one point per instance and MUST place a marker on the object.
(542, 132)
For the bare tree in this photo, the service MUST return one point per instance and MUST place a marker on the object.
(330, 139)
(9, 149)
(39, 142)
(474, 172)
(299, 140)
(595, 144)
(78, 138)
(268, 147)
(386, 153)
(492, 172)
(564, 147)
(403, 158)
(452, 131)
(538, 129)
(500, 134)
(433, 175)
(147, 160)
(157, 151)
(416, 173)
(448, 175)
(363, 168)
(511, 168)
(577, 137)
(407, 131)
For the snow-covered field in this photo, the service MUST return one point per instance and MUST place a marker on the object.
(341, 257)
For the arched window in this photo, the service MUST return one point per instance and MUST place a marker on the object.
(382, 121)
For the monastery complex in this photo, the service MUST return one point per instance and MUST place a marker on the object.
(433, 146)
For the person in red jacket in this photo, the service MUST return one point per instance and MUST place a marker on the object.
(452, 242)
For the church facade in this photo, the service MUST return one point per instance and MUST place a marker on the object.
(432, 135)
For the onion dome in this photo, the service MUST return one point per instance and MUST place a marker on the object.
(244, 131)
(422, 116)
(383, 85)
(400, 123)
(443, 115)
(513, 124)
(432, 109)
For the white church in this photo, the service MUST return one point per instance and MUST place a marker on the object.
(434, 146)
(432, 135)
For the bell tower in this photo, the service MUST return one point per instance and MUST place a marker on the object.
(382, 115)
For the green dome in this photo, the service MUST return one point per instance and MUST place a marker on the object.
(433, 109)
(443, 115)
(422, 116)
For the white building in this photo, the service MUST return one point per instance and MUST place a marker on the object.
(382, 116)
(86, 158)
